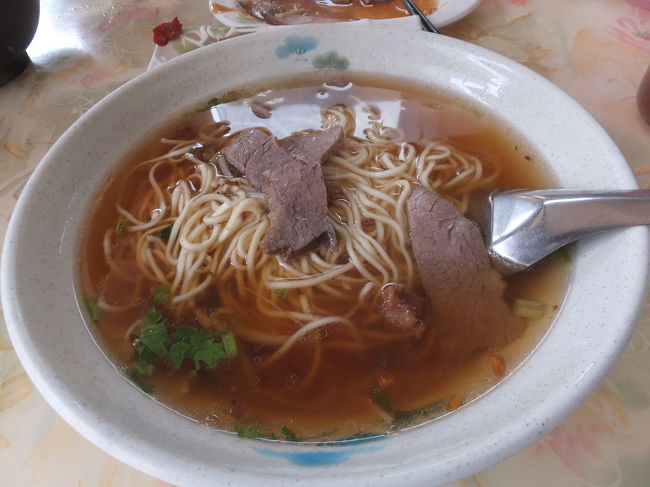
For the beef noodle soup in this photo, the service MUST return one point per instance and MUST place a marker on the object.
(296, 263)
(303, 11)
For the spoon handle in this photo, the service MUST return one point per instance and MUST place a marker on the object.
(528, 225)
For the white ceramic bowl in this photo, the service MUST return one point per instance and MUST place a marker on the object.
(39, 270)
(447, 12)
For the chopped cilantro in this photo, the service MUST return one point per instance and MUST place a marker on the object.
(229, 344)
(245, 432)
(166, 232)
(199, 346)
(158, 340)
(383, 363)
(289, 435)
(209, 352)
(280, 292)
(160, 294)
(141, 382)
(153, 337)
(93, 309)
(212, 102)
(381, 399)
(143, 368)
(177, 353)
(404, 418)
(138, 371)
(121, 224)
(184, 332)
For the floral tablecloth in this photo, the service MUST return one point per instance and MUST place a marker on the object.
(596, 50)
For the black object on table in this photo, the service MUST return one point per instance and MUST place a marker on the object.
(18, 21)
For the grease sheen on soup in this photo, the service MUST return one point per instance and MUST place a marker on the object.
(353, 375)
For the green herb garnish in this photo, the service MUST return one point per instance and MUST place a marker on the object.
(244, 432)
(141, 382)
(178, 352)
(383, 363)
(381, 399)
(93, 309)
(160, 294)
(280, 292)
(153, 337)
(209, 352)
(138, 371)
(212, 102)
(197, 345)
(405, 418)
(289, 435)
(158, 341)
(229, 344)
(166, 232)
(143, 368)
(121, 224)
(525, 308)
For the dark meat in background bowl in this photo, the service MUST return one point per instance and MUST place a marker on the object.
(283, 12)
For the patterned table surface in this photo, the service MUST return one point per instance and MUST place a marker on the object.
(596, 50)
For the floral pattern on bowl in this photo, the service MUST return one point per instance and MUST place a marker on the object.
(295, 47)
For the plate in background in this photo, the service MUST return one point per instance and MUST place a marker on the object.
(447, 12)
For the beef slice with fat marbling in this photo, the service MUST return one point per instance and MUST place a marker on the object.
(289, 173)
(313, 147)
(466, 293)
(297, 203)
(253, 152)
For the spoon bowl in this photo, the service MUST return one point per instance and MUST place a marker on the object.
(523, 227)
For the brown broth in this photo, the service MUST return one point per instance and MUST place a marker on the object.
(334, 400)
(330, 10)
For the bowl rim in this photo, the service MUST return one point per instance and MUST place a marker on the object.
(505, 438)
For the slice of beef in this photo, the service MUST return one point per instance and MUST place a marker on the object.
(297, 203)
(277, 12)
(254, 151)
(400, 308)
(313, 147)
(466, 293)
(289, 173)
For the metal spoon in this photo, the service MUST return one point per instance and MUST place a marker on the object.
(523, 227)
(415, 10)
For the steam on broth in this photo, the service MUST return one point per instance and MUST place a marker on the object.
(298, 345)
